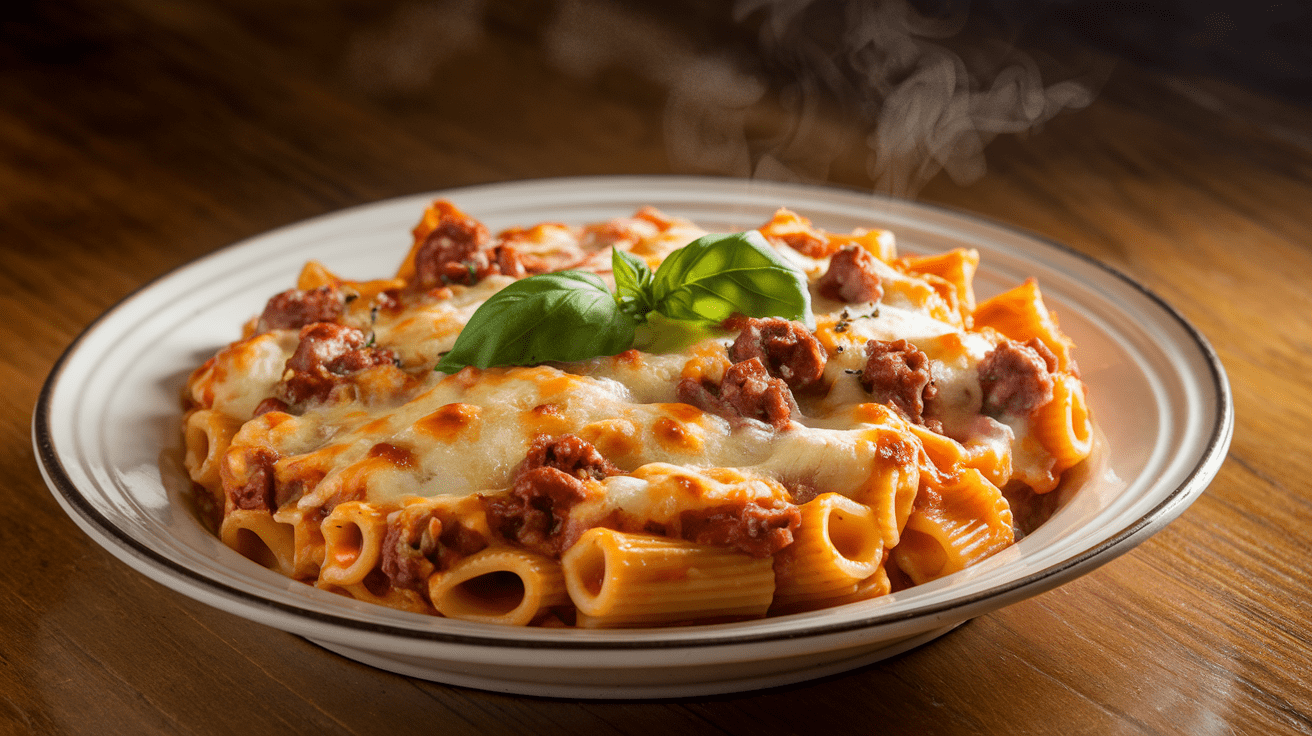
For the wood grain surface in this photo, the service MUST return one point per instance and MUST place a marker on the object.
(138, 135)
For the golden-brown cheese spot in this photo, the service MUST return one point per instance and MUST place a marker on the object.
(242, 356)
(355, 416)
(400, 457)
(674, 436)
(406, 324)
(274, 419)
(685, 413)
(320, 461)
(690, 486)
(382, 383)
(708, 363)
(631, 358)
(615, 439)
(949, 343)
(353, 481)
(466, 378)
(727, 476)
(560, 384)
(925, 295)
(451, 422)
(872, 413)
(548, 419)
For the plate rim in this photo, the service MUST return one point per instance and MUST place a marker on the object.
(182, 578)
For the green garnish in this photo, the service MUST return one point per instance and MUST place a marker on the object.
(571, 315)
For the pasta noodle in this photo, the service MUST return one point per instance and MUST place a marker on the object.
(353, 541)
(721, 469)
(956, 525)
(1063, 426)
(504, 586)
(618, 579)
(838, 545)
(254, 534)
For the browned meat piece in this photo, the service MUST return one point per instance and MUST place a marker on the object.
(851, 277)
(294, 308)
(787, 349)
(418, 543)
(327, 354)
(897, 373)
(536, 511)
(508, 261)
(1016, 378)
(758, 530)
(248, 479)
(455, 252)
(570, 453)
(747, 391)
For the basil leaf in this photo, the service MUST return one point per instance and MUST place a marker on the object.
(565, 316)
(717, 275)
(660, 334)
(632, 283)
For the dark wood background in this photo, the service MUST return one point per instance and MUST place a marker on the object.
(138, 135)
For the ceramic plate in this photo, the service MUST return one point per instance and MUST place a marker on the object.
(107, 435)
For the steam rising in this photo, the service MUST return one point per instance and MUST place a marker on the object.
(803, 88)
(834, 80)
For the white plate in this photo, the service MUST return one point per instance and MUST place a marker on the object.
(107, 434)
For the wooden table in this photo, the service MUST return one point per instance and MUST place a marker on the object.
(136, 136)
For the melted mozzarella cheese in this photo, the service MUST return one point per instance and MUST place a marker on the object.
(241, 375)
(467, 433)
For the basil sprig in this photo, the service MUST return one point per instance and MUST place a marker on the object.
(571, 315)
(567, 315)
(633, 280)
(714, 276)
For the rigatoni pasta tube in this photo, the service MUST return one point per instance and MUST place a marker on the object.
(894, 480)
(957, 267)
(953, 526)
(353, 541)
(499, 586)
(837, 545)
(619, 579)
(307, 541)
(872, 587)
(255, 535)
(1063, 425)
(207, 434)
